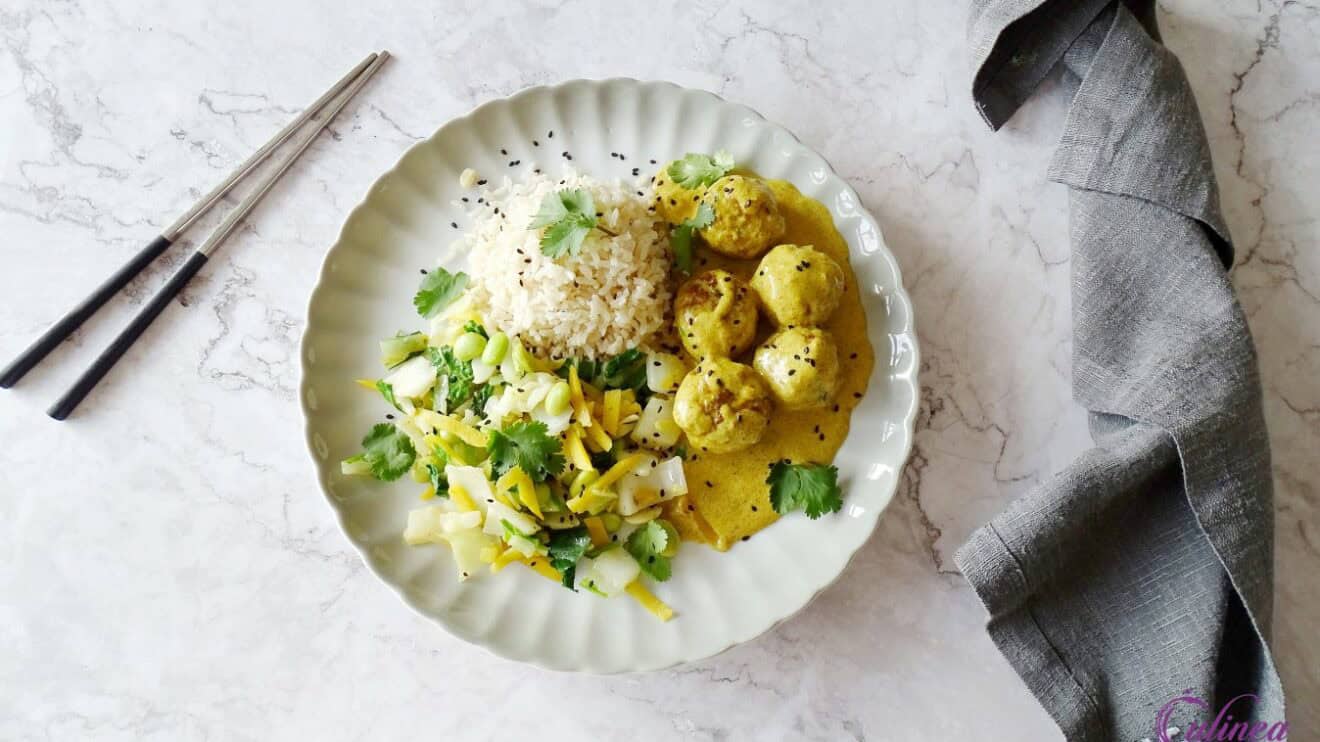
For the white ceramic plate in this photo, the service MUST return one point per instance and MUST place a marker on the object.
(364, 294)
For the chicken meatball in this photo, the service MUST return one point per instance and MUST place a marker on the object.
(747, 217)
(674, 203)
(801, 367)
(798, 285)
(715, 315)
(722, 406)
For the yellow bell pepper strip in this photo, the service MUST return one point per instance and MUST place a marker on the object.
(366, 383)
(598, 440)
(461, 498)
(452, 425)
(610, 412)
(577, 453)
(656, 606)
(428, 493)
(542, 566)
(503, 560)
(596, 529)
(617, 472)
(516, 478)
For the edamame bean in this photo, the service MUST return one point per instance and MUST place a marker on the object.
(496, 347)
(556, 402)
(468, 346)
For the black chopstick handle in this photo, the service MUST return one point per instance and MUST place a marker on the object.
(125, 340)
(62, 329)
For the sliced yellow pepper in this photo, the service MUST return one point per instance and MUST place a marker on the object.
(366, 383)
(448, 424)
(656, 606)
(503, 560)
(610, 415)
(617, 472)
(576, 452)
(517, 478)
(428, 493)
(461, 498)
(596, 528)
(598, 439)
(540, 564)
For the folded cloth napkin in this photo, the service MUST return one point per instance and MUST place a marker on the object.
(1133, 590)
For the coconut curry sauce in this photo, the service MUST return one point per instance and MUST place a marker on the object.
(728, 498)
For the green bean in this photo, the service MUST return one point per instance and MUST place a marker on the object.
(556, 402)
(468, 346)
(495, 349)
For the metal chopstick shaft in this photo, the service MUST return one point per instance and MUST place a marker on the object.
(153, 308)
(205, 203)
(73, 319)
(250, 201)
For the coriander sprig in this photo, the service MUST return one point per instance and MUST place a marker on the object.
(568, 217)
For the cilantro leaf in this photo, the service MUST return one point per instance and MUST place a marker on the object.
(624, 371)
(439, 289)
(813, 488)
(648, 545)
(456, 374)
(698, 171)
(388, 451)
(527, 445)
(387, 391)
(680, 237)
(568, 216)
(565, 549)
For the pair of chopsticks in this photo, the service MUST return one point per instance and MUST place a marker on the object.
(331, 103)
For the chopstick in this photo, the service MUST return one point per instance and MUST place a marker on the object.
(71, 321)
(343, 91)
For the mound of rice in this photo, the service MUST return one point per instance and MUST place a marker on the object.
(611, 296)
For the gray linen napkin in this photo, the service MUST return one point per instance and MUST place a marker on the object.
(1142, 573)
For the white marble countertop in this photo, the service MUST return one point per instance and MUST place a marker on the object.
(167, 568)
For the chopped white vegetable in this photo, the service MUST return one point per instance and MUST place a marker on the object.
(473, 480)
(497, 512)
(412, 378)
(482, 371)
(656, 428)
(612, 571)
(424, 526)
(664, 372)
(664, 481)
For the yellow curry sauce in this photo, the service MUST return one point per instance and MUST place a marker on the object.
(728, 498)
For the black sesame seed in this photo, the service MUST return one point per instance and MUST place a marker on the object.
(854, 355)
(753, 508)
(454, 225)
(549, 135)
(481, 182)
(504, 151)
(744, 538)
(652, 162)
(465, 199)
(388, 416)
(423, 271)
(535, 143)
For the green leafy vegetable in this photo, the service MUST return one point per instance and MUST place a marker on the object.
(481, 396)
(698, 171)
(388, 452)
(387, 391)
(648, 545)
(475, 327)
(568, 217)
(680, 237)
(456, 374)
(439, 289)
(624, 371)
(812, 488)
(565, 549)
(527, 445)
(435, 472)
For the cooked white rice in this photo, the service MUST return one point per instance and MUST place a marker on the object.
(608, 298)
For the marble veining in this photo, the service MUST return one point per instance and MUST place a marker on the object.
(167, 568)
